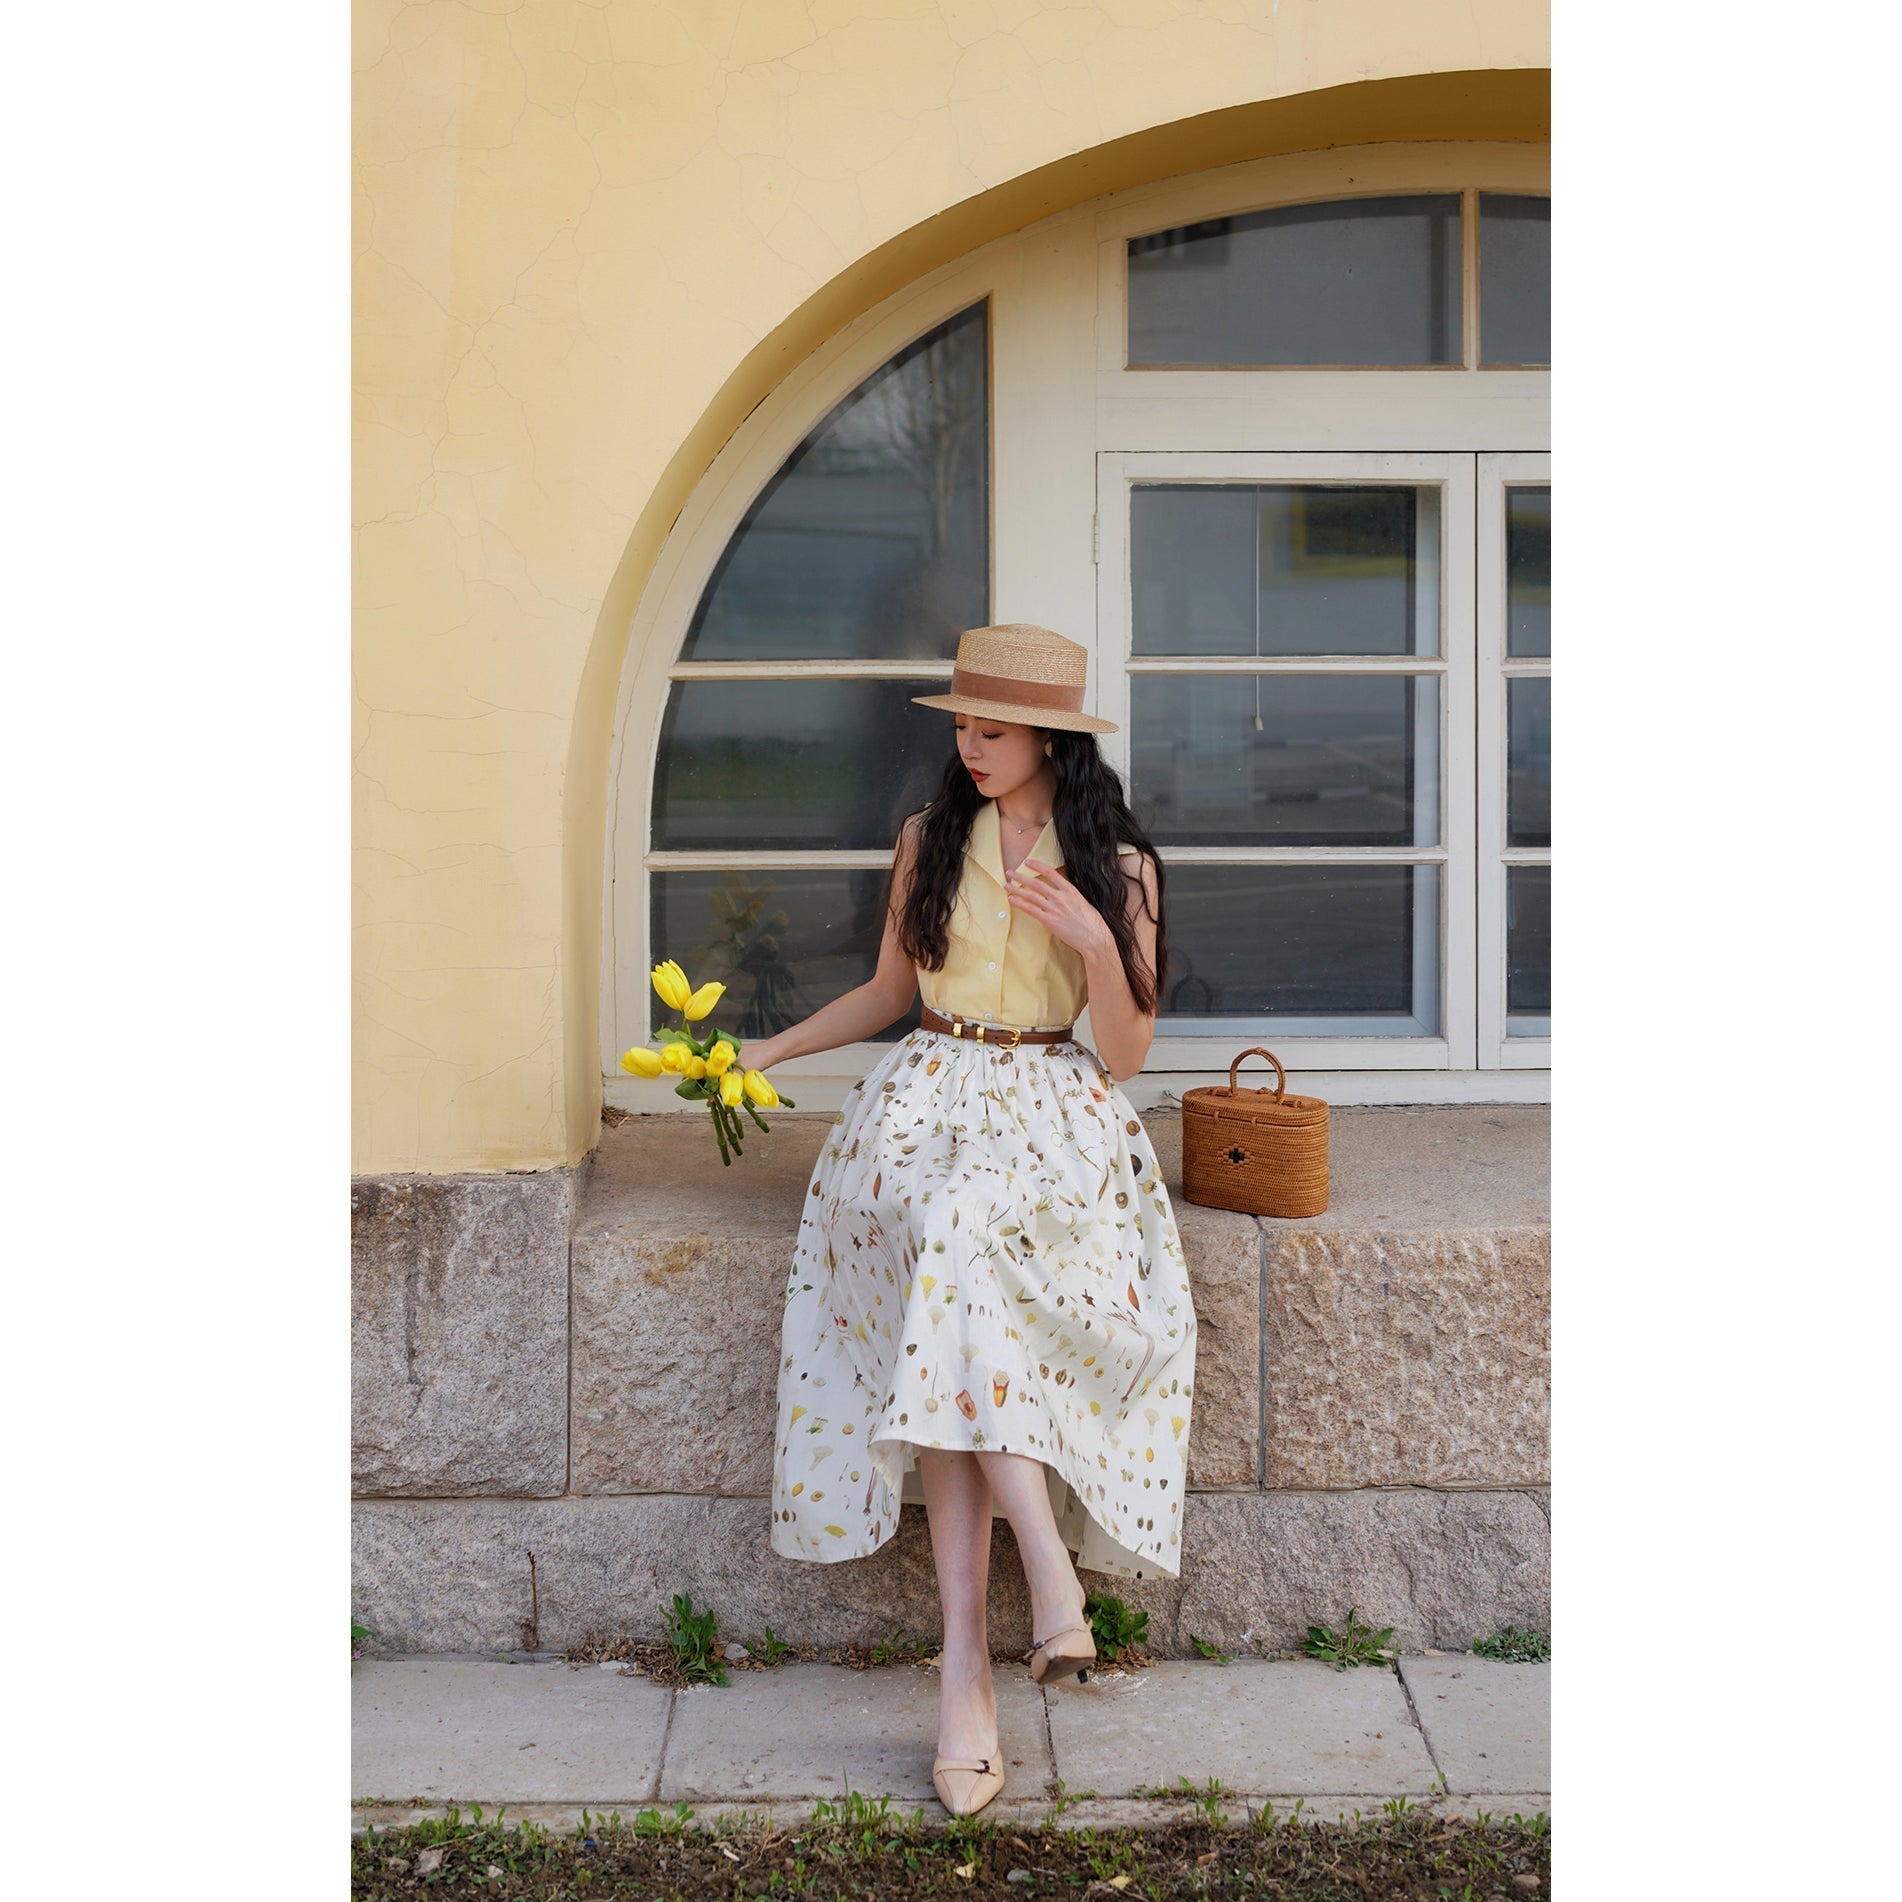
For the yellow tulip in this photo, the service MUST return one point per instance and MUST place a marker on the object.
(759, 1089)
(731, 1088)
(671, 986)
(673, 1056)
(720, 1058)
(702, 1001)
(642, 1062)
(696, 1068)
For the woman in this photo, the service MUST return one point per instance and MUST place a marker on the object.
(988, 1308)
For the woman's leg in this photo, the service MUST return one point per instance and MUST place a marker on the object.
(1056, 1594)
(958, 1506)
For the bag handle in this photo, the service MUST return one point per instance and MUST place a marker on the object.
(1281, 1075)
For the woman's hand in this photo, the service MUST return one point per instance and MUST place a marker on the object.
(1042, 892)
(758, 1053)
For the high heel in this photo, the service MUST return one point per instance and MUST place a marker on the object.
(1060, 1660)
(966, 1784)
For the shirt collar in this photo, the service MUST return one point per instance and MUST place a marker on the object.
(987, 842)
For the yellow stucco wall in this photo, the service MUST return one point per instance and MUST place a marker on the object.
(589, 237)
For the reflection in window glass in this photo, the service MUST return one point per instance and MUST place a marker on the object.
(1286, 759)
(815, 764)
(1333, 949)
(1528, 946)
(873, 540)
(1275, 568)
(1354, 281)
(1528, 571)
(1529, 762)
(1515, 279)
(783, 942)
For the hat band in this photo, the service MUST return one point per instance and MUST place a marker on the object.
(1028, 693)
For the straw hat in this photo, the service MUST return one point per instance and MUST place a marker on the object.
(1021, 673)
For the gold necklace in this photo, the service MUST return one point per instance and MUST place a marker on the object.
(1021, 830)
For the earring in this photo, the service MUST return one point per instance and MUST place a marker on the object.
(1047, 748)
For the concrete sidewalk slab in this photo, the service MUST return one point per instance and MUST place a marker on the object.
(548, 1740)
(1281, 1727)
(807, 1730)
(1490, 1723)
(504, 1733)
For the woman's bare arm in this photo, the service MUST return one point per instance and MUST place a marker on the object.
(1122, 1032)
(873, 1006)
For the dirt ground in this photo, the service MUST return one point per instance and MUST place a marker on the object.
(1406, 1855)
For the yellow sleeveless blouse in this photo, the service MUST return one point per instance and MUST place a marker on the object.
(1001, 966)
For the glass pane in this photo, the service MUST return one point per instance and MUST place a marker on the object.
(873, 540)
(1528, 762)
(1515, 279)
(1329, 949)
(1528, 571)
(1529, 945)
(1355, 281)
(1284, 568)
(819, 764)
(783, 942)
(1286, 759)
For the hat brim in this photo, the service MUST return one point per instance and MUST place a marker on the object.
(1016, 712)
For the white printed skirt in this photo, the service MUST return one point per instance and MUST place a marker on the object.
(987, 1258)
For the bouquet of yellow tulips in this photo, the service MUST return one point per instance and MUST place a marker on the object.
(707, 1062)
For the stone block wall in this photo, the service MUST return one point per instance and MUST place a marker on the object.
(581, 1365)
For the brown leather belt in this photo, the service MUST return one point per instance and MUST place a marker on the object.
(1005, 1036)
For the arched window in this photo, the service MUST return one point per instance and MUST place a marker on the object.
(1270, 441)
(790, 750)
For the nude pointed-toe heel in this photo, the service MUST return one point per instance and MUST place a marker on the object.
(966, 1784)
(1063, 1655)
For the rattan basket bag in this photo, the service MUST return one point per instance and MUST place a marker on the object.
(1257, 1151)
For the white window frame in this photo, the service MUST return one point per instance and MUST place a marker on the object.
(1119, 472)
(1498, 1050)
(1061, 399)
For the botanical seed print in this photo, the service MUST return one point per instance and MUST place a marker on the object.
(987, 1259)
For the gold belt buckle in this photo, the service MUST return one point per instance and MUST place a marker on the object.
(959, 1025)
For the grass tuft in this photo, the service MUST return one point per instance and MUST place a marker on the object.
(900, 1648)
(1515, 1646)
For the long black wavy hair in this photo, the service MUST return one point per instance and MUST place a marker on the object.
(1092, 818)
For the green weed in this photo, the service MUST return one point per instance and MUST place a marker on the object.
(1117, 1627)
(857, 1811)
(1266, 1818)
(1207, 1800)
(673, 1822)
(1515, 1646)
(1065, 1797)
(691, 1640)
(768, 1648)
(900, 1648)
(1355, 1643)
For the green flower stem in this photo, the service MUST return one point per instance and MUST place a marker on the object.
(719, 1130)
